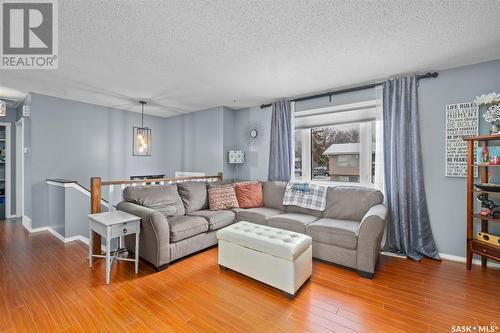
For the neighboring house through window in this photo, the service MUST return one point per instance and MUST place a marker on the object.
(340, 144)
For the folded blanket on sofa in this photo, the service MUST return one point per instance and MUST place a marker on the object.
(305, 195)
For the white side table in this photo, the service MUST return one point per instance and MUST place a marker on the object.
(111, 225)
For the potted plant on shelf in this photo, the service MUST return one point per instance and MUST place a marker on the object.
(492, 114)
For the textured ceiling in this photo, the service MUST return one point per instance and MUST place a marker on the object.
(190, 55)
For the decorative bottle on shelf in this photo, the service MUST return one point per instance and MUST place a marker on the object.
(486, 157)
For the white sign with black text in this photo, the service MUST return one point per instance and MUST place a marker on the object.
(461, 120)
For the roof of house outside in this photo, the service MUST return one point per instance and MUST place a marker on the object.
(344, 149)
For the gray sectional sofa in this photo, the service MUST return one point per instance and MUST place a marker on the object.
(176, 222)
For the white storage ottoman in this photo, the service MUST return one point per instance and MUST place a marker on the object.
(279, 258)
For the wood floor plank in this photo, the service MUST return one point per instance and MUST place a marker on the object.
(23, 322)
(47, 286)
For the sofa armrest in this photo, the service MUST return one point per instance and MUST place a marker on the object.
(370, 232)
(154, 245)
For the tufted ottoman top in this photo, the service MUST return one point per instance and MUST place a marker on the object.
(273, 241)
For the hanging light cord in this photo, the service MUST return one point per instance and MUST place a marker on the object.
(142, 114)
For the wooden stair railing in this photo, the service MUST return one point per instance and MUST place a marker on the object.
(96, 185)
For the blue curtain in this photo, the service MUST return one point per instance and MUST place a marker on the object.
(409, 229)
(280, 153)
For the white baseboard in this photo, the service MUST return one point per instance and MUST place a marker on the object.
(27, 225)
(444, 256)
(447, 257)
(451, 257)
(390, 254)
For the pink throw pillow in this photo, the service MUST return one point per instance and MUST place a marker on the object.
(222, 198)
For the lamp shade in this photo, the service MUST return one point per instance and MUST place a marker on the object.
(236, 157)
(3, 108)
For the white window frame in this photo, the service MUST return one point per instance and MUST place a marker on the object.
(366, 145)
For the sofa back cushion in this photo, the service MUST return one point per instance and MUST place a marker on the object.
(221, 183)
(301, 210)
(249, 194)
(163, 198)
(194, 195)
(273, 193)
(350, 202)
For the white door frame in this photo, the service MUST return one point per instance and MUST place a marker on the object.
(7, 169)
(20, 168)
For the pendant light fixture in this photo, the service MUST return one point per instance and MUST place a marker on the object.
(142, 137)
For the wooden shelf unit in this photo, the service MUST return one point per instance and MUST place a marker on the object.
(485, 250)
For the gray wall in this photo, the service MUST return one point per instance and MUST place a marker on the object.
(56, 209)
(76, 141)
(256, 156)
(229, 142)
(199, 141)
(446, 196)
(75, 209)
(203, 139)
(68, 210)
(194, 142)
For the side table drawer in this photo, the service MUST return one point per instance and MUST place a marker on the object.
(123, 229)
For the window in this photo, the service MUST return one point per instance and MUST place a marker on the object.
(330, 149)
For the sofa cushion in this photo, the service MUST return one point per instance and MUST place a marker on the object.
(341, 233)
(182, 227)
(307, 211)
(273, 193)
(163, 198)
(292, 221)
(351, 202)
(257, 215)
(216, 218)
(249, 195)
(222, 198)
(194, 195)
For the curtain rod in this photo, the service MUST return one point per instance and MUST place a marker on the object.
(427, 75)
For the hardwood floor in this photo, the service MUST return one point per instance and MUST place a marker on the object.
(46, 286)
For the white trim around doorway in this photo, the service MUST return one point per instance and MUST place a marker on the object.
(20, 168)
(7, 179)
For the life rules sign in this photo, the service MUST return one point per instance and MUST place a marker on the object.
(461, 120)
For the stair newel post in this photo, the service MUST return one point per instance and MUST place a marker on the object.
(95, 207)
